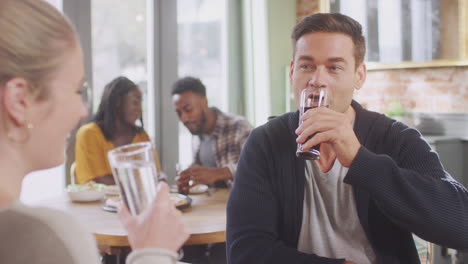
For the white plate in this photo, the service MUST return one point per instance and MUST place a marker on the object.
(86, 196)
(112, 190)
(199, 188)
(113, 202)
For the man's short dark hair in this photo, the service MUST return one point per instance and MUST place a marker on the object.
(189, 84)
(332, 23)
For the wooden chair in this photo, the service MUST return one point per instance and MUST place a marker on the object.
(72, 173)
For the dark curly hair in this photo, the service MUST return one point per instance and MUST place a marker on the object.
(189, 83)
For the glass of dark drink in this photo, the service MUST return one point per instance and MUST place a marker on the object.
(311, 98)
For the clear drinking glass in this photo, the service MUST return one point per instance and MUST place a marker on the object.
(135, 173)
(311, 98)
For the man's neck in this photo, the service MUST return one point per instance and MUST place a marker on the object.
(351, 113)
(210, 121)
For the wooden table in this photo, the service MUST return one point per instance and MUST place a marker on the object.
(205, 219)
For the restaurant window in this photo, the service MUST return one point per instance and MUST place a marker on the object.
(407, 30)
(202, 53)
(119, 45)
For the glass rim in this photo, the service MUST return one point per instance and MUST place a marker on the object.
(118, 150)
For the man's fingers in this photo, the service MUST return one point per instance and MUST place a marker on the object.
(183, 180)
(185, 173)
(318, 138)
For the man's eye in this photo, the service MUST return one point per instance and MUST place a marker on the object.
(335, 68)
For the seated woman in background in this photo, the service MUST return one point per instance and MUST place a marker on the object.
(41, 75)
(113, 125)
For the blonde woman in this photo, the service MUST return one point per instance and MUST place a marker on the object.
(41, 74)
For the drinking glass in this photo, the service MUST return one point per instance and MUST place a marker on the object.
(135, 173)
(311, 98)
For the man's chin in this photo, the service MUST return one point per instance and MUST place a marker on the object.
(193, 132)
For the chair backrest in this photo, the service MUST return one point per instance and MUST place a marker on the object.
(72, 173)
(425, 250)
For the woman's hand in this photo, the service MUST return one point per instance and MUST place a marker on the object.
(159, 226)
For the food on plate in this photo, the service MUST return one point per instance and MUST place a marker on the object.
(112, 190)
(87, 192)
(178, 199)
(89, 186)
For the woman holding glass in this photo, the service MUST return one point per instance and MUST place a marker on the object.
(112, 126)
(41, 75)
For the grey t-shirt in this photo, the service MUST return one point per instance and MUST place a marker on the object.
(208, 157)
(207, 154)
(330, 224)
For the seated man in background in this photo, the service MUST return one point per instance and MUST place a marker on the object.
(114, 125)
(377, 180)
(219, 137)
(218, 141)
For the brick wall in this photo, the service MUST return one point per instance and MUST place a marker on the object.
(431, 90)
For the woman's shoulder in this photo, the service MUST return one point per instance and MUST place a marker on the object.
(89, 129)
(46, 231)
(40, 216)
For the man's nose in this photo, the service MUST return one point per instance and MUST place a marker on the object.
(318, 78)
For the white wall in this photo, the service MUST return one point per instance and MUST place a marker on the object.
(43, 184)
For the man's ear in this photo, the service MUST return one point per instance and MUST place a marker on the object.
(17, 99)
(291, 71)
(361, 74)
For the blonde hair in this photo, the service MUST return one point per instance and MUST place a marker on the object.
(34, 40)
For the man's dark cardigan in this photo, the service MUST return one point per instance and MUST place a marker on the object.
(399, 184)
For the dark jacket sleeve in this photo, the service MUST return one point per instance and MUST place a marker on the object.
(408, 184)
(253, 212)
